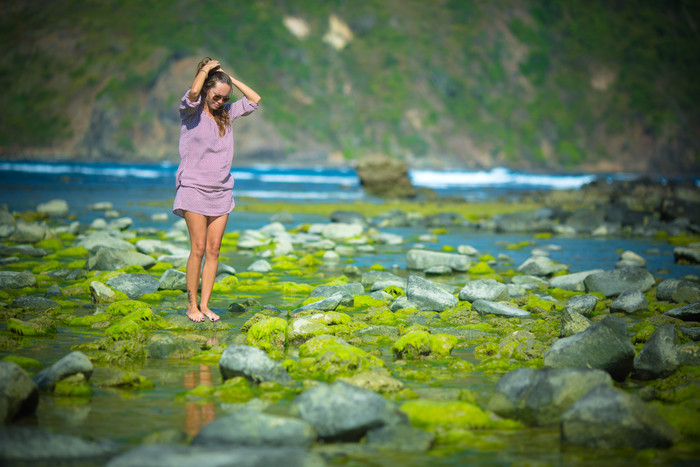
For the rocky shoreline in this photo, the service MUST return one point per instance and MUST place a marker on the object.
(320, 359)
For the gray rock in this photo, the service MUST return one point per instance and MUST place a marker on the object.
(540, 397)
(691, 333)
(665, 289)
(689, 354)
(122, 223)
(339, 232)
(629, 301)
(686, 254)
(461, 333)
(352, 288)
(260, 266)
(16, 280)
(7, 223)
(400, 438)
(690, 312)
(402, 303)
(348, 217)
(573, 282)
(53, 291)
(659, 357)
(73, 363)
(615, 282)
(149, 246)
(110, 259)
(251, 363)
(23, 250)
(605, 345)
(161, 346)
(29, 233)
(100, 293)
(530, 282)
(515, 291)
(686, 292)
(585, 220)
(53, 208)
(573, 323)
(378, 330)
(223, 456)
(383, 284)
(134, 285)
(489, 289)
(94, 241)
(609, 418)
(172, 279)
(30, 446)
(327, 304)
(582, 304)
(177, 261)
(28, 302)
(342, 412)
(531, 221)
(486, 307)
(540, 266)
(254, 429)
(428, 296)
(424, 259)
(438, 271)
(630, 259)
(370, 277)
(19, 395)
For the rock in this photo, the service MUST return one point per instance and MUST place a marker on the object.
(609, 418)
(689, 255)
(30, 446)
(302, 330)
(377, 381)
(370, 277)
(94, 241)
(487, 307)
(16, 280)
(385, 177)
(134, 285)
(29, 233)
(73, 363)
(19, 395)
(260, 266)
(540, 397)
(251, 363)
(659, 357)
(428, 296)
(327, 304)
(53, 208)
(27, 302)
(438, 271)
(539, 220)
(615, 282)
(23, 250)
(338, 232)
(159, 455)
(424, 259)
(629, 301)
(585, 220)
(582, 304)
(400, 438)
(690, 312)
(110, 259)
(691, 333)
(484, 290)
(348, 217)
(100, 293)
(573, 323)
(53, 291)
(122, 223)
(421, 344)
(530, 282)
(573, 282)
(172, 279)
(149, 246)
(254, 429)
(342, 412)
(678, 291)
(352, 288)
(605, 345)
(689, 354)
(540, 266)
(630, 259)
(7, 223)
(162, 346)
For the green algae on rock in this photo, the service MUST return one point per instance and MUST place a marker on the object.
(268, 334)
(34, 327)
(422, 344)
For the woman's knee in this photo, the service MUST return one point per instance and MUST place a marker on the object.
(198, 248)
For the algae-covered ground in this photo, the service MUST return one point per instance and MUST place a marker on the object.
(156, 376)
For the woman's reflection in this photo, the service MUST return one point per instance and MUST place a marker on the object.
(198, 415)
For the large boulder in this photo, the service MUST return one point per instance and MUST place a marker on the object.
(573, 282)
(424, 259)
(385, 177)
(690, 312)
(540, 397)
(73, 363)
(540, 266)
(428, 296)
(251, 363)
(16, 280)
(614, 282)
(343, 412)
(609, 418)
(110, 259)
(489, 289)
(19, 395)
(94, 241)
(605, 345)
(659, 357)
(172, 279)
(134, 285)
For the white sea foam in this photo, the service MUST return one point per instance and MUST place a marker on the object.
(498, 176)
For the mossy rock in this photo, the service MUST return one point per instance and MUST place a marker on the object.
(73, 386)
(683, 417)
(89, 320)
(256, 318)
(268, 334)
(124, 307)
(365, 301)
(34, 327)
(329, 357)
(535, 304)
(421, 344)
(330, 318)
(160, 267)
(481, 268)
(72, 252)
(381, 317)
(51, 265)
(23, 362)
(123, 330)
(226, 285)
(130, 382)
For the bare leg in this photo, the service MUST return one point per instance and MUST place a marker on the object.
(197, 227)
(215, 232)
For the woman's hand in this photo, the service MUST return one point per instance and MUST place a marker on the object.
(211, 65)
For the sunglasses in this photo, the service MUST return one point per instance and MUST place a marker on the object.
(217, 98)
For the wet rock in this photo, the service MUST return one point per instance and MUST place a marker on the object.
(486, 307)
(615, 282)
(53, 291)
(379, 330)
(220, 456)
(327, 304)
(540, 397)
(630, 259)
(19, 395)
(573, 323)
(421, 344)
(26, 232)
(691, 333)
(428, 296)
(352, 288)
(337, 232)
(585, 220)
(16, 280)
(540, 266)
(369, 278)
(172, 279)
(400, 438)
(134, 285)
(629, 301)
(678, 291)
(103, 239)
(438, 271)
(605, 345)
(30, 446)
(302, 330)
(573, 282)
(255, 429)
(484, 290)
(28, 302)
(260, 266)
(111, 259)
(659, 357)
(23, 250)
(385, 177)
(342, 412)
(150, 246)
(167, 346)
(529, 282)
(424, 259)
(609, 418)
(689, 354)
(582, 304)
(348, 217)
(689, 255)
(251, 363)
(7, 223)
(53, 208)
(690, 312)
(539, 220)
(378, 381)
(72, 364)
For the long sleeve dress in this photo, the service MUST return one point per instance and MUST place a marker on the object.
(203, 179)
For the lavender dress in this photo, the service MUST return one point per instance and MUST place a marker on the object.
(203, 179)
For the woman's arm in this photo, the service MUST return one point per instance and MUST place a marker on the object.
(252, 96)
(200, 78)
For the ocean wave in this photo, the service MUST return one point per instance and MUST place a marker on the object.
(498, 176)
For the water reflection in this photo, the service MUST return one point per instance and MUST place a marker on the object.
(198, 415)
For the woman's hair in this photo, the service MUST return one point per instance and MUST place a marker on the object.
(221, 114)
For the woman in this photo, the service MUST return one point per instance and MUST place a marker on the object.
(204, 184)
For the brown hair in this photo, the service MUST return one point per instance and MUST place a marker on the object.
(217, 76)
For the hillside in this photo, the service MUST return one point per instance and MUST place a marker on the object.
(539, 85)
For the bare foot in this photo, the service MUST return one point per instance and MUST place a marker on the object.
(195, 315)
(209, 314)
